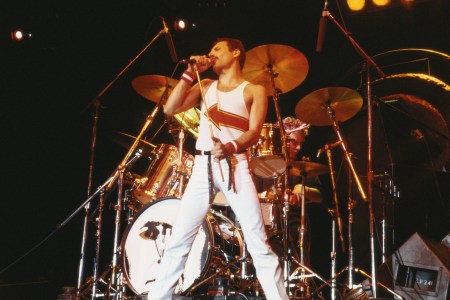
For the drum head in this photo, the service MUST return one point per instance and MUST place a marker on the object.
(145, 240)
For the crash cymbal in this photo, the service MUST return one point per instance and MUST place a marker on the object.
(126, 140)
(190, 120)
(307, 168)
(286, 65)
(312, 108)
(152, 87)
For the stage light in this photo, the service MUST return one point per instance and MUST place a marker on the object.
(183, 25)
(381, 2)
(367, 6)
(17, 35)
(180, 25)
(356, 5)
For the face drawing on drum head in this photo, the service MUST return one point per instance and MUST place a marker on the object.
(145, 241)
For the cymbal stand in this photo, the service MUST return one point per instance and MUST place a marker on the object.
(118, 175)
(335, 214)
(286, 194)
(368, 199)
(302, 268)
(98, 234)
(303, 286)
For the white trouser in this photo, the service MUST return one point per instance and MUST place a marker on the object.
(193, 209)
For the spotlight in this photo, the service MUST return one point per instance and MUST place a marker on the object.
(356, 5)
(366, 6)
(180, 25)
(183, 25)
(19, 35)
(381, 2)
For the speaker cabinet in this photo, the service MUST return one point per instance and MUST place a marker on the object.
(419, 269)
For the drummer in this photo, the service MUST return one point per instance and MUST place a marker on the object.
(296, 132)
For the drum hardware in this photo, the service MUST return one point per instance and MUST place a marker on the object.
(189, 120)
(302, 287)
(367, 66)
(278, 68)
(321, 103)
(106, 187)
(117, 176)
(165, 175)
(153, 87)
(336, 218)
(304, 169)
(267, 155)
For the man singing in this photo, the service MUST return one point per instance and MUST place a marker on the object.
(231, 120)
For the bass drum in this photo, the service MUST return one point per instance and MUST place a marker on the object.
(145, 240)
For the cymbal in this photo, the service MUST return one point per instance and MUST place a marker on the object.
(286, 65)
(190, 120)
(312, 108)
(307, 168)
(152, 87)
(146, 146)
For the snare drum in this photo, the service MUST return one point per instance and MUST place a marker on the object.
(162, 178)
(266, 156)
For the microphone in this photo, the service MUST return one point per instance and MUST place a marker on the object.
(190, 61)
(322, 28)
(327, 147)
(169, 41)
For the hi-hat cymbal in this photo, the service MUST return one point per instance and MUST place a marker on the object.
(126, 140)
(152, 87)
(307, 168)
(286, 65)
(312, 108)
(190, 120)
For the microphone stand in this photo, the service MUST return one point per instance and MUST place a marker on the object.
(96, 103)
(369, 199)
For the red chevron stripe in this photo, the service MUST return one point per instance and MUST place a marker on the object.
(222, 118)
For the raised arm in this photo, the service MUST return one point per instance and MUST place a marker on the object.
(185, 96)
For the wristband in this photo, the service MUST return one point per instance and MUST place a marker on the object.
(188, 77)
(233, 146)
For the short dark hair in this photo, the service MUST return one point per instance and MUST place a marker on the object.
(233, 44)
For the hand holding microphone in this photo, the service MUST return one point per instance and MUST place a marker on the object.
(203, 62)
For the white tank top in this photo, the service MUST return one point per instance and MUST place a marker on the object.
(228, 113)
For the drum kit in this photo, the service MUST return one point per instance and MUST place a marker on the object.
(219, 250)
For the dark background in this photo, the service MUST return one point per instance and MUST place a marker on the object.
(49, 84)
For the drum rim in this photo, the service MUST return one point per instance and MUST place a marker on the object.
(123, 265)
